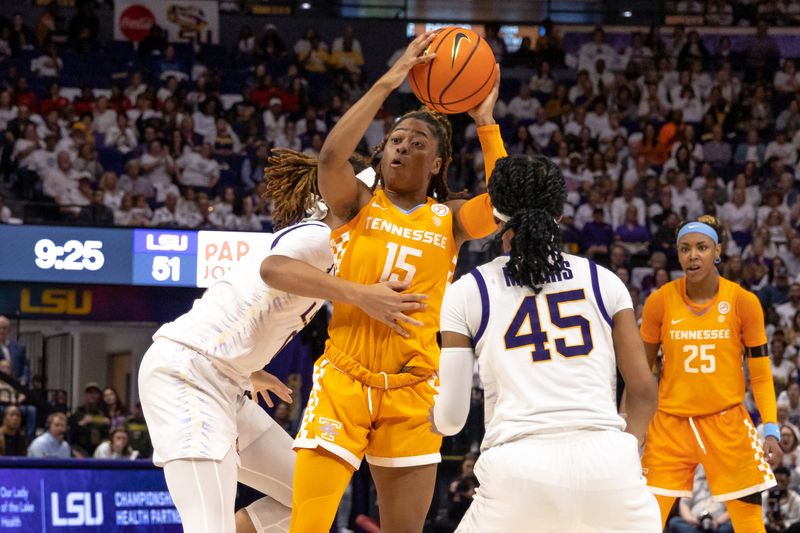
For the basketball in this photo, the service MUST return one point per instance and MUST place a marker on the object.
(460, 76)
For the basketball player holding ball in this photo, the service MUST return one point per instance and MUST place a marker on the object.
(373, 389)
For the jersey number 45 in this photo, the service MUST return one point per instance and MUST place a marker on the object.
(538, 338)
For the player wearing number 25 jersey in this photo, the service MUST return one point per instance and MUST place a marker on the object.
(705, 326)
(548, 331)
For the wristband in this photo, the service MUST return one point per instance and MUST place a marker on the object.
(771, 429)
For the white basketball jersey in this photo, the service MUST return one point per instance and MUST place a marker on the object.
(242, 323)
(546, 361)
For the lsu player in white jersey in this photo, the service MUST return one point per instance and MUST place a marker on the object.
(549, 331)
(192, 381)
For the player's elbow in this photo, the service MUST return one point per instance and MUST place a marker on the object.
(643, 392)
(449, 421)
(272, 271)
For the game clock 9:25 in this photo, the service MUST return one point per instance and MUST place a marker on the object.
(73, 255)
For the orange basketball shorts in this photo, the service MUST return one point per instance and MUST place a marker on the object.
(725, 443)
(352, 420)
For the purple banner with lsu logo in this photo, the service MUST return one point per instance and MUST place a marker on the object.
(84, 496)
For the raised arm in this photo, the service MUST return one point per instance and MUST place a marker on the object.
(337, 183)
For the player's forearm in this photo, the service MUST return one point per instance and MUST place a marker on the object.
(763, 388)
(455, 388)
(296, 277)
(641, 401)
(491, 146)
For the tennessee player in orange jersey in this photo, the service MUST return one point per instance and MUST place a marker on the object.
(373, 389)
(705, 325)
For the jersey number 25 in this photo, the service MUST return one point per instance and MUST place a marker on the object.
(538, 337)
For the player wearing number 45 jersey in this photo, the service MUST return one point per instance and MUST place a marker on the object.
(704, 325)
(549, 331)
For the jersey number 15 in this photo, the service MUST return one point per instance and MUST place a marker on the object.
(538, 337)
(397, 258)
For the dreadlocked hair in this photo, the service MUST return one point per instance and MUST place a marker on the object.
(709, 220)
(530, 190)
(291, 179)
(443, 131)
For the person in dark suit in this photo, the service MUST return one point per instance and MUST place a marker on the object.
(14, 352)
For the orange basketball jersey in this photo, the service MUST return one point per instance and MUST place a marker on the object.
(702, 346)
(384, 243)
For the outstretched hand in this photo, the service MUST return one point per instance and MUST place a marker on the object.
(263, 383)
(387, 303)
(414, 55)
(483, 113)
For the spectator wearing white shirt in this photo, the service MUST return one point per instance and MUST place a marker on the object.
(684, 197)
(105, 118)
(158, 166)
(584, 88)
(542, 81)
(5, 212)
(247, 220)
(787, 310)
(597, 118)
(639, 172)
(578, 122)
(310, 123)
(113, 194)
(738, 215)
(787, 80)
(542, 129)
(597, 48)
(524, 106)
(289, 138)
(25, 146)
(168, 215)
(688, 102)
(205, 117)
(199, 169)
(116, 447)
(620, 205)
(134, 183)
(47, 65)
(44, 158)
(274, 119)
(782, 148)
(8, 110)
(121, 135)
(585, 212)
(58, 183)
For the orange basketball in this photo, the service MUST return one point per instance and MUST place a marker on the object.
(460, 76)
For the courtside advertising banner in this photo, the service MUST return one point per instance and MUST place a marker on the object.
(183, 20)
(85, 495)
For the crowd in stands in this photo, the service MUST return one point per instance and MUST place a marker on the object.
(673, 125)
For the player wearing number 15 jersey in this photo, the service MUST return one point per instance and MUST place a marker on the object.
(548, 331)
(372, 388)
(704, 325)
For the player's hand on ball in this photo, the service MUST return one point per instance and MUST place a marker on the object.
(483, 113)
(414, 55)
(773, 452)
(263, 383)
(387, 303)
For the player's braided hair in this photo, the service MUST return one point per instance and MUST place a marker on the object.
(443, 131)
(709, 220)
(291, 179)
(531, 191)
